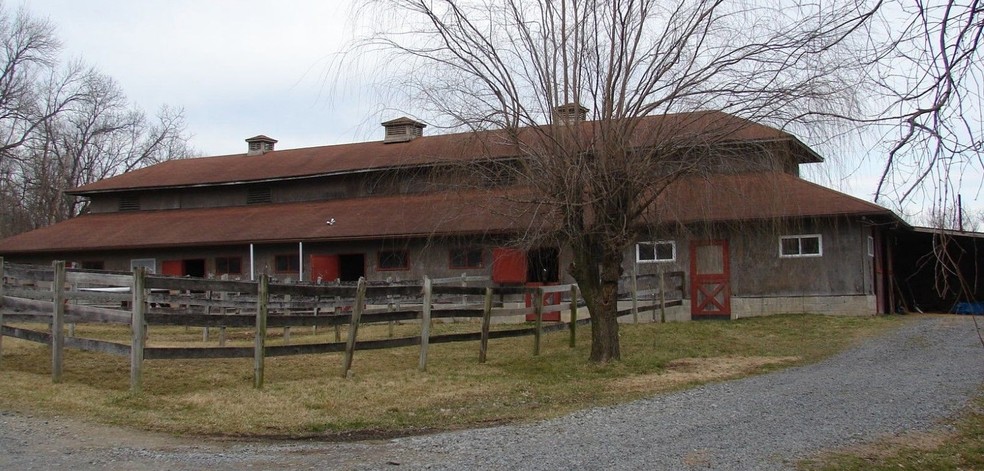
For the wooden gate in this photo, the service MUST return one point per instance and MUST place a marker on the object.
(710, 285)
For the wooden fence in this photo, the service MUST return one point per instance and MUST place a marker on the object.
(59, 296)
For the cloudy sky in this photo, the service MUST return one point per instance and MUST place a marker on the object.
(240, 68)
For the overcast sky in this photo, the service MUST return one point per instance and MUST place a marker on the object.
(240, 68)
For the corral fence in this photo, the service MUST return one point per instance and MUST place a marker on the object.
(62, 297)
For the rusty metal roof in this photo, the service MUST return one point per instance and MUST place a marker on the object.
(703, 127)
(719, 198)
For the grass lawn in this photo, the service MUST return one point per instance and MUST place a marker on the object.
(304, 396)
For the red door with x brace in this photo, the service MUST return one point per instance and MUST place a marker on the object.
(710, 279)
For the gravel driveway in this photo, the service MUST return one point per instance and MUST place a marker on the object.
(903, 381)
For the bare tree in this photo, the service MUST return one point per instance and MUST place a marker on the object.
(927, 69)
(65, 126)
(595, 171)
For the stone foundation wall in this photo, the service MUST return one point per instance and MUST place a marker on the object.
(856, 305)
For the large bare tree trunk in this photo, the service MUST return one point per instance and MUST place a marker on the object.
(599, 287)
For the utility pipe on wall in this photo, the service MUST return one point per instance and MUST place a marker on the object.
(252, 266)
(300, 261)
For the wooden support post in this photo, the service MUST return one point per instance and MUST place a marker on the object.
(573, 325)
(425, 321)
(138, 333)
(538, 323)
(58, 321)
(1, 309)
(635, 295)
(360, 298)
(259, 346)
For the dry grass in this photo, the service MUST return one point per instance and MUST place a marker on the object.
(959, 447)
(305, 395)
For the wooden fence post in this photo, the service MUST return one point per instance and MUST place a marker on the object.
(138, 333)
(1, 310)
(425, 320)
(635, 296)
(338, 310)
(287, 301)
(662, 298)
(208, 310)
(259, 346)
(486, 321)
(538, 325)
(58, 321)
(360, 297)
(573, 326)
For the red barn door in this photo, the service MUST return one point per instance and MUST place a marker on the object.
(710, 286)
(508, 265)
(326, 268)
(172, 268)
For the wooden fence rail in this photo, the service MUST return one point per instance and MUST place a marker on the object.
(56, 296)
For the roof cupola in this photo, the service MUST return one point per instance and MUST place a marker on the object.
(259, 145)
(402, 130)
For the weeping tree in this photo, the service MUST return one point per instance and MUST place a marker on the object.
(572, 86)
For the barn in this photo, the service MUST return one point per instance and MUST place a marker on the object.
(751, 237)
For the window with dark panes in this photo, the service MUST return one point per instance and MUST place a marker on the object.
(466, 258)
(393, 260)
(809, 245)
(658, 251)
(287, 263)
(228, 265)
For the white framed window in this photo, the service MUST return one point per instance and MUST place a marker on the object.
(656, 251)
(149, 263)
(805, 245)
(871, 246)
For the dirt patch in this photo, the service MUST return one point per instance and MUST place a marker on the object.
(690, 370)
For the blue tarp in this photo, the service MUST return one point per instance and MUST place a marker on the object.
(976, 309)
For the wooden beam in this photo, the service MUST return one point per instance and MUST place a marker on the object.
(105, 279)
(179, 284)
